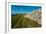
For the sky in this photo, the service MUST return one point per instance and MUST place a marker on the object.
(23, 9)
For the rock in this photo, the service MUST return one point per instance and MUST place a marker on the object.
(35, 15)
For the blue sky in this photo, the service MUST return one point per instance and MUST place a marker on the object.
(23, 9)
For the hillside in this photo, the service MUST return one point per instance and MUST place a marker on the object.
(35, 15)
(19, 21)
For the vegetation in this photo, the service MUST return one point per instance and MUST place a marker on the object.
(19, 21)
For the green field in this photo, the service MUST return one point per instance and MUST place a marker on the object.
(19, 21)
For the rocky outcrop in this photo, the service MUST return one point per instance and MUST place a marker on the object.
(34, 15)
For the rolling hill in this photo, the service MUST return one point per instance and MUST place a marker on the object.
(19, 21)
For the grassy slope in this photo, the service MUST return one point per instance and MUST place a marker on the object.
(19, 21)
